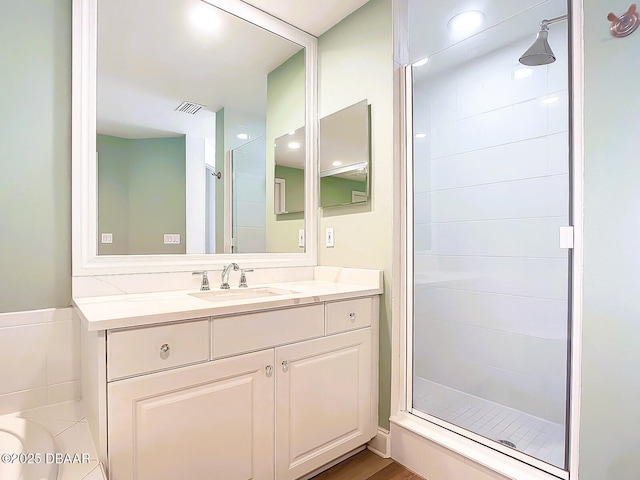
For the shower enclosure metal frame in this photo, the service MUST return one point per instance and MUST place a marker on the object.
(507, 462)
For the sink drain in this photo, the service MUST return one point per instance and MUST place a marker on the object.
(507, 443)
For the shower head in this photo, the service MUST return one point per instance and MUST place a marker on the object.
(540, 52)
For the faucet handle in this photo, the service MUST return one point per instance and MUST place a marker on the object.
(204, 286)
(243, 277)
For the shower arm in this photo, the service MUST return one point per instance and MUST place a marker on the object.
(544, 25)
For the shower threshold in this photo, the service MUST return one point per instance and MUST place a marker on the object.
(526, 433)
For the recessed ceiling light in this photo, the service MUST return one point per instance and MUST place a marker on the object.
(521, 73)
(293, 145)
(422, 62)
(466, 22)
(420, 135)
(292, 132)
(243, 136)
(551, 99)
(337, 163)
(205, 18)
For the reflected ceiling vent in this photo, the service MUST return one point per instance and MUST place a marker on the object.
(190, 107)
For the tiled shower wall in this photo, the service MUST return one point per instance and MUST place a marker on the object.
(40, 358)
(249, 191)
(491, 191)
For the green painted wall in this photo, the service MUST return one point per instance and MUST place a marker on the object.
(141, 194)
(285, 112)
(35, 154)
(610, 420)
(294, 188)
(356, 62)
(336, 191)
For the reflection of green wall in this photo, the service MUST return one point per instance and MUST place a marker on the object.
(294, 187)
(141, 194)
(285, 112)
(337, 191)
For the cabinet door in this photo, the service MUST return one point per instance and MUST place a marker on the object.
(323, 401)
(208, 421)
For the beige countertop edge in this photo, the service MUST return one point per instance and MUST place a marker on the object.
(106, 320)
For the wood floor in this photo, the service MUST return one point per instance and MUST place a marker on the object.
(366, 465)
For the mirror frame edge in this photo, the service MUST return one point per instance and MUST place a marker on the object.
(85, 261)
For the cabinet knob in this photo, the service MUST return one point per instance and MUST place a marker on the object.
(285, 366)
(352, 316)
(268, 370)
(165, 350)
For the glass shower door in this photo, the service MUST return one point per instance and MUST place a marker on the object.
(491, 192)
(249, 208)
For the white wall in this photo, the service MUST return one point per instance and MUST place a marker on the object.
(40, 358)
(491, 191)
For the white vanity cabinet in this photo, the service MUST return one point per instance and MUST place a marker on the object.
(264, 395)
(323, 401)
(207, 421)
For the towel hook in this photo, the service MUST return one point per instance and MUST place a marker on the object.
(625, 24)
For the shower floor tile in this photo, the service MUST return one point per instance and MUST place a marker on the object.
(531, 435)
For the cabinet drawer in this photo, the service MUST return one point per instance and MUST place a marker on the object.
(245, 333)
(143, 350)
(348, 315)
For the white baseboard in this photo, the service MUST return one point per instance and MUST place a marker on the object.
(333, 463)
(381, 443)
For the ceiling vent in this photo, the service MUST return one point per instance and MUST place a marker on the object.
(190, 107)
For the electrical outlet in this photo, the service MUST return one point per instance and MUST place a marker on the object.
(330, 241)
(171, 238)
(301, 237)
(106, 238)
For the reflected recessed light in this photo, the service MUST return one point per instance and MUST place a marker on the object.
(243, 136)
(293, 145)
(422, 62)
(337, 163)
(420, 135)
(205, 17)
(466, 22)
(549, 100)
(292, 132)
(522, 73)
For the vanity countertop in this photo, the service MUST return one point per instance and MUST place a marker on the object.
(139, 309)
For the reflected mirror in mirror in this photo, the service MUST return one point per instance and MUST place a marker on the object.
(344, 156)
(188, 98)
(289, 154)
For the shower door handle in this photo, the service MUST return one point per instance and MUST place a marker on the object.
(566, 237)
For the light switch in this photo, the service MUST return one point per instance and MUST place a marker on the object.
(330, 241)
(301, 237)
(107, 238)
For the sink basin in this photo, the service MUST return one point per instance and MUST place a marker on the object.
(240, 294)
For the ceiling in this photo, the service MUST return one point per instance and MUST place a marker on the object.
(312, 16)
(506, 21)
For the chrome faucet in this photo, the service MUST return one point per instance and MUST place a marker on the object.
(225, 275)
(204, 286)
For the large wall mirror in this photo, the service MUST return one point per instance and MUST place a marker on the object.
(175, 120)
